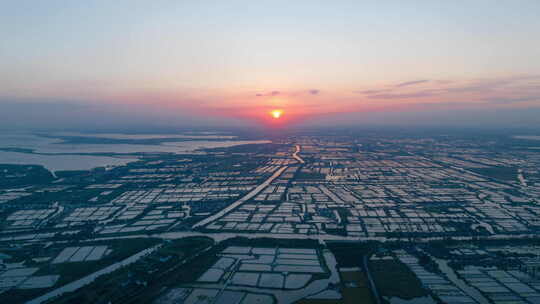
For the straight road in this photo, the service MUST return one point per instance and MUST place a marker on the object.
(70, 287)
(242, 200)
(370, 280)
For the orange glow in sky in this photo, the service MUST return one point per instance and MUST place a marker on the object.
(276, 65)
(276, 113)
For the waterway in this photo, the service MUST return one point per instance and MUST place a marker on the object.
(451, 275)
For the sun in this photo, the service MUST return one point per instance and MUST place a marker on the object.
(276, 114)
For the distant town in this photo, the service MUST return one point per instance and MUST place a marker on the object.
(309, 219)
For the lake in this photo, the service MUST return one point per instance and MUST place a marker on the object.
(84, 162)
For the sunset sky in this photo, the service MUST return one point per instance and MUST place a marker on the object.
(233, 62)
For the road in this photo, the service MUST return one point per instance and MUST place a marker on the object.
(331, 195)
(234, 269)
(70, 287)
(242, 200)
(452, 277)
(372, 285)
(295, 155)
(521, 178)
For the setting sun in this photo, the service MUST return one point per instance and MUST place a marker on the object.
(276, 113)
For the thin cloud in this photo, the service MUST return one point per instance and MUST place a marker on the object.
(370, 92)
(482, 86)
(409, 83)
(272, 93)
(276, 93)
(507, 100)
(403, 96)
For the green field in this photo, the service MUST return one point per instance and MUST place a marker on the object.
(144, 280)
(395, 279)
(121, 249)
